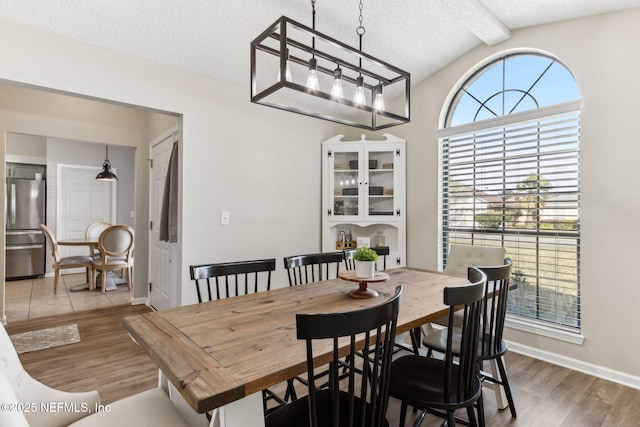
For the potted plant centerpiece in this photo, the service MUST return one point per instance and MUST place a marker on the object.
(365, 259)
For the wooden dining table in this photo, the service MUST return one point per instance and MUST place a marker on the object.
(91, 243)
(218, 352)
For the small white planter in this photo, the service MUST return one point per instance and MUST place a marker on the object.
(365, 269)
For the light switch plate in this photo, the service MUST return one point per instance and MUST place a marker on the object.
(224, 218)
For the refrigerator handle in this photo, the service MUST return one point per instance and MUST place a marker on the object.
(22, 247)
(13, 204)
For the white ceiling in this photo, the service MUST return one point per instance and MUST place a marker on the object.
(212, 37)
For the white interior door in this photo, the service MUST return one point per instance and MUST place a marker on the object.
(163, 277)
(81, 200)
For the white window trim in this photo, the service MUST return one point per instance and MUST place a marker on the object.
(539, 328)
(525, 116)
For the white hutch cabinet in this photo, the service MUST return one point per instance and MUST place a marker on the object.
(363, 195)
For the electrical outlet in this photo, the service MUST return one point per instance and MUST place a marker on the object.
(224, 218)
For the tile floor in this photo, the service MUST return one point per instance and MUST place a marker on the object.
(27, 299)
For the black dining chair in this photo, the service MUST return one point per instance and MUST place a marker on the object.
(309, 268)
(359, 403)
(349, 262)
(437, 385)
(492, 347)
(230, 279)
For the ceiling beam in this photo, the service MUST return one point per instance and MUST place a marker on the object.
(482, 23)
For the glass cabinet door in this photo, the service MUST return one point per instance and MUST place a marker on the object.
(380, 180)
(346, 177)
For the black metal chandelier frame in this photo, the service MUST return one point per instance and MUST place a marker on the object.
(280, 31)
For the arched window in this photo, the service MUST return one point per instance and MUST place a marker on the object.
(509, 167)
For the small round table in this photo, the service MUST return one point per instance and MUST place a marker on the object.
(363, 291)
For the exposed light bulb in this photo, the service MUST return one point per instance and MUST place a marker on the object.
(360, 98)
(378, 102)
(287, 72)
(312, 79)
(336, 89)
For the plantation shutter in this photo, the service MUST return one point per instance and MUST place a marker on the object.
(514, 182)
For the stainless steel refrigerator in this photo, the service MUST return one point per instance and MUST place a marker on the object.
(25, 244)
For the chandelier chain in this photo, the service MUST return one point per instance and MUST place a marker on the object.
(360, 30)
(313, 25)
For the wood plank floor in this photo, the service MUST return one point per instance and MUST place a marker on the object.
(106, 359)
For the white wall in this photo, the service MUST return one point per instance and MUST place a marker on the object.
(600, 53)
(26, 149)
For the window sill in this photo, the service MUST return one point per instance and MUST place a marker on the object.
(537, 328)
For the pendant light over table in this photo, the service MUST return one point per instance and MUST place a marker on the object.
(106, 174)
(298, 69)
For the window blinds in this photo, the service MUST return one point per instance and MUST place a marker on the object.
(517, 185)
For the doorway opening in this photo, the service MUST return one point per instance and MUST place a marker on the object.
(80, 127)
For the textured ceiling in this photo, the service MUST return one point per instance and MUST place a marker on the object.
(212, 37)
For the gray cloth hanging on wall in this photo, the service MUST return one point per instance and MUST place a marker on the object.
(169, 212)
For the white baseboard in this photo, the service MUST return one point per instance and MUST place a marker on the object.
(139, 301)
(577, 365)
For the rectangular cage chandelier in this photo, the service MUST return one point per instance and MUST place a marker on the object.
(298, 69)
